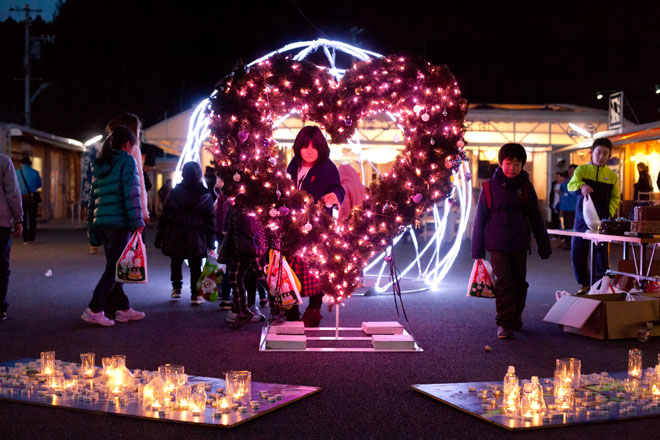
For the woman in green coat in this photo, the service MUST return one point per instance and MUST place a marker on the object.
(114, 213)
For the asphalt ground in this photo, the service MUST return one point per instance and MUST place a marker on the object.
(364, 395)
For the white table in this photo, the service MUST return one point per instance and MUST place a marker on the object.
(596, 238)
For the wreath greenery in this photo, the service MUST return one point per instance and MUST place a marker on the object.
(425, 100)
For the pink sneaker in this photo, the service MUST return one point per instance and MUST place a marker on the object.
(129, 315)
(97, 318)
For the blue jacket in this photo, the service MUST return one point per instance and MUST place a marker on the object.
(322, 179)
(114, 202)
(507, 225)
(32, 178)
(567, 199)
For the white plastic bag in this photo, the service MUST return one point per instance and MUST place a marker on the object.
(590, 214)
(604, 286)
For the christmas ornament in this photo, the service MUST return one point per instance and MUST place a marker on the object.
(237, 177)
(273, 212)
(284, 210)
(242, 136)
(417, 198)
(307, 227)
(426, 117)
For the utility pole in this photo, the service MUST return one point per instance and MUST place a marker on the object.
(26, 59)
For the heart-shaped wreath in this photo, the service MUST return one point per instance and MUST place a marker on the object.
(424, 99)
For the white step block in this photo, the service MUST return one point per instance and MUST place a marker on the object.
(286, 342)
(393, 342)
(289, 328)
(382, 328)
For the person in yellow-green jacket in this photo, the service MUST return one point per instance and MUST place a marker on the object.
(596, 181)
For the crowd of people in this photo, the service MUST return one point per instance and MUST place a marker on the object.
(195, 217)
(197, 220)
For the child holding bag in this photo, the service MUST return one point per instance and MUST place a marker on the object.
(597, 182)
(114, 211)
(186, 229)
(507, 212)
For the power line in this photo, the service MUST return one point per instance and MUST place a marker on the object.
(308, 21)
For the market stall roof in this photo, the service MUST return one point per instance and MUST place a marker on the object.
(15, 130)
(630, 134)
(170, 134)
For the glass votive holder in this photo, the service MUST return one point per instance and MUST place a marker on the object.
(47, 362)
(87, 367)
(635, 363)
(108, 364)
(239, 385)
(183, 397)
(223, 405)
(119, 360)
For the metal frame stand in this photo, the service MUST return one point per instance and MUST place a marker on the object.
(337, 329)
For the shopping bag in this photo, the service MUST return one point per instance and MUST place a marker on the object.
(207, 284)
(283, 284)
(481, 280)
(590, 214)
(132, 264)
(604, 286)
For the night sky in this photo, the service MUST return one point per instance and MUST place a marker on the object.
(155, 58)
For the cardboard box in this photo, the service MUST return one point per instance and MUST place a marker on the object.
(382, 328)
(604, 316)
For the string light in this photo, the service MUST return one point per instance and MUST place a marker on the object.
(276, 104)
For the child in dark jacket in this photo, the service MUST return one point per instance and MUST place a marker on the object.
(186, 229)
(507, 208)
(243, 245)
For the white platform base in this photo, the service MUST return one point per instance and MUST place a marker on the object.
(382, 328)
(289, 328)
(393, 342)
(286, 342)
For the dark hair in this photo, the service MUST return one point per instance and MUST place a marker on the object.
(192, 174)
(127, 120)
(511, 151)
(115, 141)
(315, 135)
(602, 142)
(564, 174)
(26, 161)
(572, 166)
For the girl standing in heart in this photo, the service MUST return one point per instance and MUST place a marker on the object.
(312, 171)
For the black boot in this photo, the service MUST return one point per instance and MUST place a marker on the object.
(293, 314)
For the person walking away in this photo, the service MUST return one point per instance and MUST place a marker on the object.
(596, 181)
(163, 192)
(114, 212)
(11, 214)
(221, 207)
(507, 214)
(186, 229)
(553, 201)
(210, 178)
(135, 125)
(244, 244)
(312, 171)
(30, 181)
(354, 189)
(567, 202)
(644, 183)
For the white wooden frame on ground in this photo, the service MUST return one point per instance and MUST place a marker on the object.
(337, 330)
